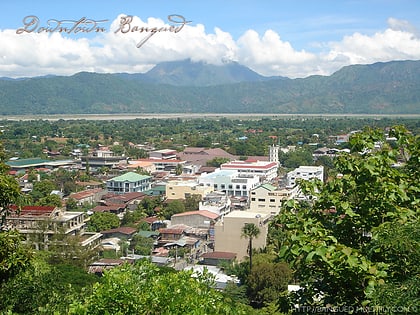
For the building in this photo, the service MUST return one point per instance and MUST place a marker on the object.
(26, 164)
(181, 189)
(268, 198)
(216, 202)
(88, 196)
(196, 219)
(274, 153)
(164, 165)
(306, 173)
(228, 232)
(265, 170)
(39, 224)
(129, 182)
(200, 156)
(164, 154)
(146, 166)
(102, 158)
(230, 182)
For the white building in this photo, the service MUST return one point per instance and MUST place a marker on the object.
(216, 202)
(266, 171)
(230, 182)
(306, 173)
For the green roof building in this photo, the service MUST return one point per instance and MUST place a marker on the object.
(129, 182)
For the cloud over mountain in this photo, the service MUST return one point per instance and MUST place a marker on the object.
(33, 54)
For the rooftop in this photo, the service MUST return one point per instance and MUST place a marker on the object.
(203, 213)
(129, 177)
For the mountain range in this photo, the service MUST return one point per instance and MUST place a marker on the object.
(196, 87)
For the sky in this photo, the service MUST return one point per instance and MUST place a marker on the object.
(295, 38)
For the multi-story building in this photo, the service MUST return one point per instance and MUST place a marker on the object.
(230, 182)
(164, 154)
(306, 173)
(216, 202)
(268, 198)
(39, 224)
(265, 170)
(129, 182)
(181, 189)
(228, 232)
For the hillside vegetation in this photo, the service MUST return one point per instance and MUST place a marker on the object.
(186, 87)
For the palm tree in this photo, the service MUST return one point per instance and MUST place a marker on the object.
(250, 231)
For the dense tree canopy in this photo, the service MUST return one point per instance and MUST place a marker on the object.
(341, 244)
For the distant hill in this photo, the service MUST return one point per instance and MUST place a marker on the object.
(188, 73)
(187, 87)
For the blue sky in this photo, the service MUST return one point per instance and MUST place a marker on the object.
(290, 38)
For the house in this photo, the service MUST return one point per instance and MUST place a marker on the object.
(123, 232)
(98, 267)
(215, 258)
(124, 199)
(146, 166)
(129, 182)
(171, 234)
(265, 170)
(39, 224)
(115, 209)
(198, 219)
(88, 196)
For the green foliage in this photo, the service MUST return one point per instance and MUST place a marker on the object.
(42, 189)
(296, 158)
(267, 281)
(102, 221)
(145, 289)
(50, 200)
(217, 161)
(192, 202)
(171, 208)
(354, 238)
(45, 289)
(14, 256)
(141, 245)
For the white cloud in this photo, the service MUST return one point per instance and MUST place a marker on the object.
(33, 54)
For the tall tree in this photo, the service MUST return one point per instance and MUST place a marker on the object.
(337, 243)
(250, 231)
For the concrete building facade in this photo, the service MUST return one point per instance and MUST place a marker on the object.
(306, 173)
(265, 170)
(228, 231)
(230, 182)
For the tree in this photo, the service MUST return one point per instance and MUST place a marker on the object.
(336, 243)
(42, 189)
(267, 280)
(173, 207)
(142, 245)
(250, 231)
(101, 221)
(144, 288)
